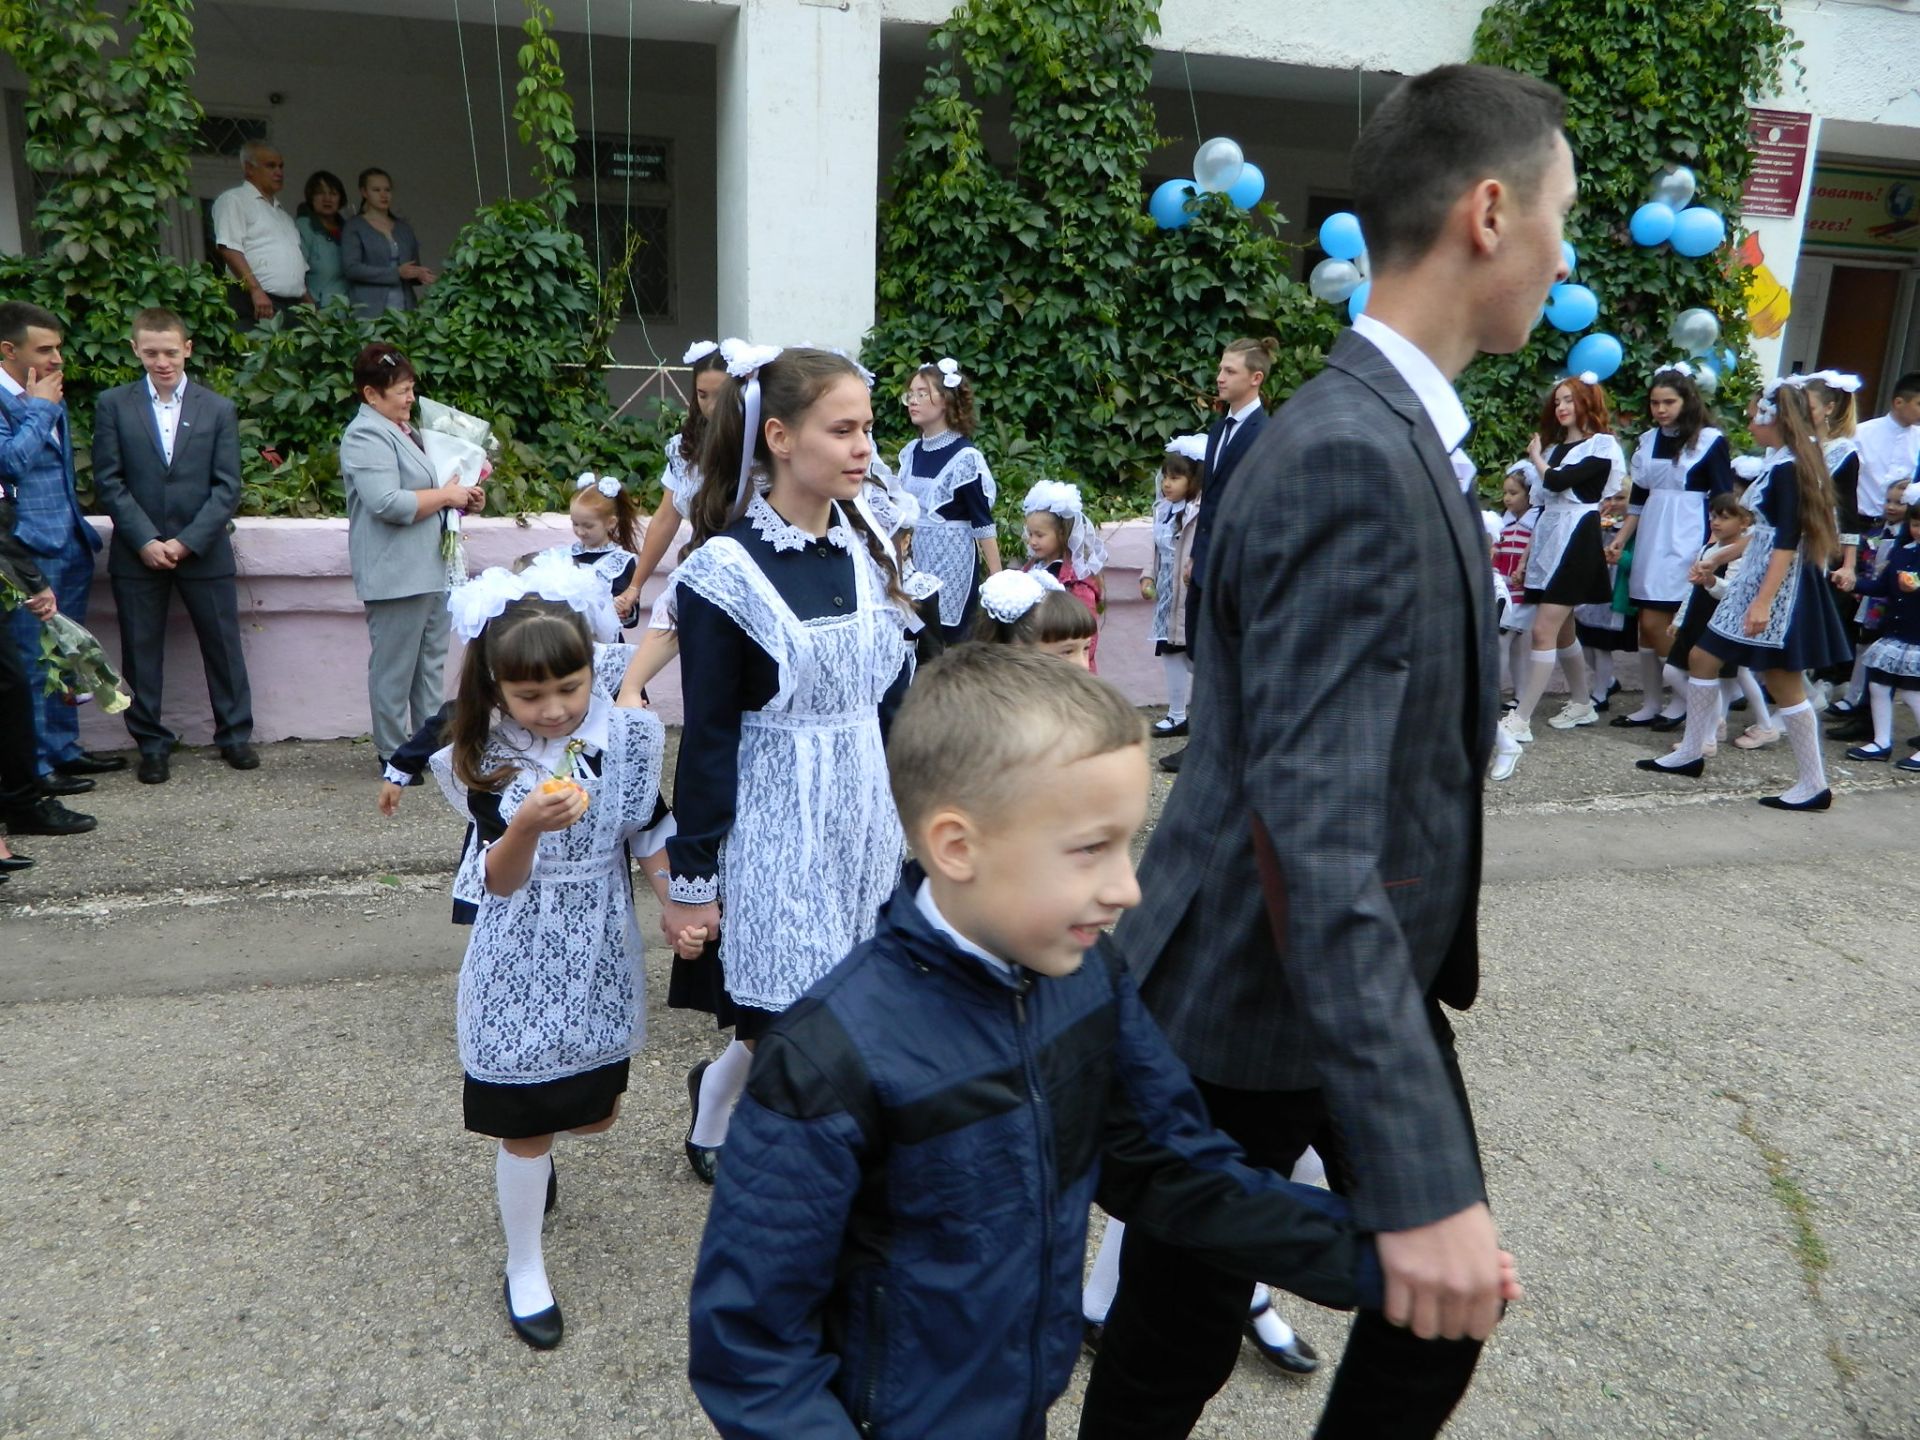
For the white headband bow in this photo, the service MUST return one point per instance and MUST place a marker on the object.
(950, 375)
(1838, 379)
(1084, 544)
(1193, 447)
(699, 351)
(1678, 367)
(1007, 595)
(743, 363)
(605, 484)
(553, 577)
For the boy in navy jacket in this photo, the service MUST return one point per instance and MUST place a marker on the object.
(896, 1237)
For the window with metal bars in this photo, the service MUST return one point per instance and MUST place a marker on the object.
(624, 184)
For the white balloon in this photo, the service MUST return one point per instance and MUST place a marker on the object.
(1217, 164)
(1675, 187)
(1707, 380)
(1695, 331)
(1333, 281)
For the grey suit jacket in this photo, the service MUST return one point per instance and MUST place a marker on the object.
(372, 272)
(1345, 706)
(393, 550)
(191, 500)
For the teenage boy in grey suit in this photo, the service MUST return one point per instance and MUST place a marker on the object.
(166, 466)
(1310, 896)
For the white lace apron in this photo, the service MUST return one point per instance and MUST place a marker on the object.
(551, 982)
(1673, 522)
(1562, 511)
(948, 550)
(1730, 617)
(1168, 519)
(816, 844)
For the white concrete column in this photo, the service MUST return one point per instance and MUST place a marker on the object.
(799, 155)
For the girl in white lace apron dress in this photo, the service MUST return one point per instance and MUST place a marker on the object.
(793, 653)
(946, 473)
(680, 480)
(1778, 617)
(1679, 464)
(1174, 516)
(560, 784)
(606, 526)
(1575, 464)
(1830, 403)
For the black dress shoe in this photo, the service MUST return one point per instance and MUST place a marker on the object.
(154, 769)
(1693, 769)
(1661, 724)
(1845, 707)
(705, 1159)
(1870, 752)
(1853, 727)
(542, 1331)
(1822, 801)
(88, 763)
(240, 757)
(1171, 763)
(1739, 703)
(15, 861)
(1296, 1357)
(47, 816)
(1163, 731)
(1628, 722)
(58, 784)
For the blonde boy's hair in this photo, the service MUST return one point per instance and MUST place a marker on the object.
(981, 714)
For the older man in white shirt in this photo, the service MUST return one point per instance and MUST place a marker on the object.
(258, 240)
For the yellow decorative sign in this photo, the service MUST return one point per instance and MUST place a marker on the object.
(1869, 210)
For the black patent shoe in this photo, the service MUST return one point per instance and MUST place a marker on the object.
(1171, 763)
(542, 1331)
(704, 1159)
(60, 783)
(15, 861)
(1822, 801)
(46, 816)
(1296, 1357)
(1662, 724)
(1693, 769)
(88, 763)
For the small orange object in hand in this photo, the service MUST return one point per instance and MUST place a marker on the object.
(557, 786)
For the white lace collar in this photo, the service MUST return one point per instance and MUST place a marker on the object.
(940, 442)
(770, 527)
(537, 752)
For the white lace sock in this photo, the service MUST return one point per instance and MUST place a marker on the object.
(720, 1086)
(1269, 1326)
(1703, 718)
(1880, 706)
(1574, 663)
(1097, 1298)
(1650, 668)
(1539, 671)
(522, 1184)
(1601, 662)
(1757, 711)
(1179, 671)
(1803, 733)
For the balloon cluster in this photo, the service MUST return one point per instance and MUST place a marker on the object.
(1671, 217)
(1343, 277)
(1219, 168)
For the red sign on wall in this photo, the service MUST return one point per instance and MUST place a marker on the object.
(1779, 142)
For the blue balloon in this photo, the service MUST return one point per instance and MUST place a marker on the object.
(1729, 361)
(1709, 363)
(1571, 256)
(1652, 224)
(1169, 204)
(1340, 236)
(1572, 307)
(1247, 190)
(1599, 353)
(1698, 231)
(1357, 302)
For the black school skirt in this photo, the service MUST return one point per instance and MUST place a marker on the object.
(517, 1112)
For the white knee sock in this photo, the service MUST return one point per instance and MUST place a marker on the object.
(1179, 672)
(1857, 682)
(1097, 1298)
(1880, 706)
(1803, 732)
(1728, 690)
(1518, 647)
(1703, 718)
(720, 1086)
(522, 1185)
(1602, 686)
(1574, 663)
(1756, 699)
(1677, 682)
(1539, 671)
(1650, 668)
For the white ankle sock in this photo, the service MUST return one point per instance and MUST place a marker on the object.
(522, 1186)
(1179, 672)
(1803, 733)
(720, 1086)
(1574, 663)
(1539, 671)
(1703, 718)
(1650, 668)
(1268, 1325)
(1880, 706)
(1097, 1298)
(1756, 699)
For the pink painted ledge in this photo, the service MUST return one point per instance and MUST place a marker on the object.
(305, 633)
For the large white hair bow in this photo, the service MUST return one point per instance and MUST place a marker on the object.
(699, 351)
(1838, 379)
(1084, 544)
(607, 485)
(744, 360)
(550, 576)
(1193, 447)
(950, 375)
(1007, 595)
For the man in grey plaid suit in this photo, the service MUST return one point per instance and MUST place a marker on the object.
(1311, 892)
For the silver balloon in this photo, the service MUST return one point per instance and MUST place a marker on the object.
(1695, 331)
(1217, 164)
(1333, 281)
(1675, 187)
(1363, 265)
(1707, 379)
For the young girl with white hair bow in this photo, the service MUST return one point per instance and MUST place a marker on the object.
(606, 535)
(1182, 472)
(1065, 544)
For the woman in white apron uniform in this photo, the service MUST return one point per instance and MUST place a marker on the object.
(946, 473)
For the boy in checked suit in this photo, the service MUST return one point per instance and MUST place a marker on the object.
(1310, 895)
(166, 465)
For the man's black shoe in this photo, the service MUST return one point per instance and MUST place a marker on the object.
(58, 784)
(47, 816)
(88, 763)
(1171, 763)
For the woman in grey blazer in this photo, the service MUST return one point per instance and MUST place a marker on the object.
(395, 520)
(380, 253)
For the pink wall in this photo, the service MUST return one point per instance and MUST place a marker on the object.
(305, 634)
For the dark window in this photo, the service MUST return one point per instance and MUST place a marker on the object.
(624, 186)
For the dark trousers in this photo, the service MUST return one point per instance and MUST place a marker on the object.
(242, 302)
(19, 779)
(1173, 1334)
(56, 723)
(143, 601)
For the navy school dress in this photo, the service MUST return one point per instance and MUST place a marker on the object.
(1803, 629)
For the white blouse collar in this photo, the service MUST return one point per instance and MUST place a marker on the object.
(542, 753)
(771, 528)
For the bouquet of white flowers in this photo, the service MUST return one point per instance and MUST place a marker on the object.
(75, 663)
(458, 446)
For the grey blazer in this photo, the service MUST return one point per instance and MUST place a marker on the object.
(192, 500)
(392, 553)
(370, 267)
(1344, 707)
